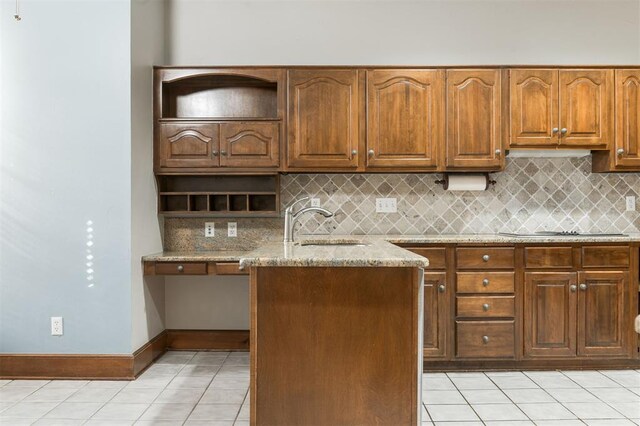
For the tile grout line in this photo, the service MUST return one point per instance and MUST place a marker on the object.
(509, 398)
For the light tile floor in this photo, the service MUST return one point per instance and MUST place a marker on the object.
(210, 388)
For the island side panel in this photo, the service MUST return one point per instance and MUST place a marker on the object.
(335, 345)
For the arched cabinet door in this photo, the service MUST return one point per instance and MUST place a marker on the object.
(474, 107)
(249, 145)
(586, 108)
(627, 143)
(189, 145)
(323, 121)
(405, 118)
(534, 107)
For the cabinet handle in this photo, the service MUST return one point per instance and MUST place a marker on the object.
(485, 282)
(441, 288)
(563, 130)
(223, 152)
(180, 268)
(620, 151)
(371, 153)
(485, 339)
(354, 152)
(498, 152)
(554, 130)
(485, 307)
(573, 288)
(214, 153)
(485, 258)
(583, 287)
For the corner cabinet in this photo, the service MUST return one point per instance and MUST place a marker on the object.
(323, 119)
(474, 124)
(405, 118)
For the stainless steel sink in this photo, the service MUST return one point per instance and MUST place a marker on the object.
(340, 242)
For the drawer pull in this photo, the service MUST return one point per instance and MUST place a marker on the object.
(441, 288)
(485, 307)
(583, 287)
(485, 339)
(485, 258)
(485, 282)
(573, 288)
(180, 268)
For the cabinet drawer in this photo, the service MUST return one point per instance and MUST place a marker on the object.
(548, 257)
(436, 256)
(229, 268)
(485, 339)
(485, 258)
(485, 306)
(181, 268)
(605, 256)
(485, 282)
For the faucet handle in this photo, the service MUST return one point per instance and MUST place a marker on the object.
(293, 203)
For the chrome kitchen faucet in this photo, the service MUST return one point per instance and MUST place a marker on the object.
(290, 218)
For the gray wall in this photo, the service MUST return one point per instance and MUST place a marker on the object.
(65, 160)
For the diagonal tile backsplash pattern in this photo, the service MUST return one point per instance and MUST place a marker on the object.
(532, 194)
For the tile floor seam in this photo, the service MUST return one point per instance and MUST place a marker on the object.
(206, 388)
(608, 404)
(463, 397)
(508, 397)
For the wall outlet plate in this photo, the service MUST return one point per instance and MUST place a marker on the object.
(386, 205)
(57, 328)
(232, 229)
(210, 229)
(631, 203)
(315, 202)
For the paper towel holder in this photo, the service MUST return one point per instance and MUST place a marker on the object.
(445, 181)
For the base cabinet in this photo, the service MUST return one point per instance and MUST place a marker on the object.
(435, 314)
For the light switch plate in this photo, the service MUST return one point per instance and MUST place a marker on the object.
(232, 229)
(209, 229)
(315, 202)
(386, 205)
(631, 203)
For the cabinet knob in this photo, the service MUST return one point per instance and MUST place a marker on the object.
(498, 152)
(485, 339)
(354, 152)
(485, 282)
(573, 288)
(563, 130)
(223, 152)
(554, 130)
(214, 153)
(180, 268)
(485, 307)
(583, 287)
(485, 258)
(620, 151)
(371, 153)
(441, 288)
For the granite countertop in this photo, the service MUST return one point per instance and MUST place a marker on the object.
(507, 239)
(370, 252)
(195, 256)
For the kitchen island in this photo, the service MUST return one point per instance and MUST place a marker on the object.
(336, 330)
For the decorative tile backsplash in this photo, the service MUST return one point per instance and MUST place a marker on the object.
(532, 194)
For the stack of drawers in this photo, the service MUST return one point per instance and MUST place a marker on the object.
(485, 302)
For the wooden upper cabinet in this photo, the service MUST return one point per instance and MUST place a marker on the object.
(626, 149)
(323, 121)
(189, 145)
(603, 325)
(405, 118)
(586, 107)
(534, 107)
(474, 135)
(249, 145)
(550, 314)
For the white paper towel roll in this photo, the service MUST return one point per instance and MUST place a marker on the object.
(467, 182)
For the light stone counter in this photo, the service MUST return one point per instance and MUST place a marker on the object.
(504, 239)
(196, 256)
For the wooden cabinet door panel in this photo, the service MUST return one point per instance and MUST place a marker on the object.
(435, 314)
(550, 314)
(189, 145)
(249, 145)
(627, 118)
(323, 118)
(405, 117)
(586, 107)
(602, 314)
(474, 119)
(534, 107)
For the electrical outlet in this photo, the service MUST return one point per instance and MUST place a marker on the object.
(209, 229)
(631, 203)
(315, 202)
(386, 205)
(56, 326)
(232, 229)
